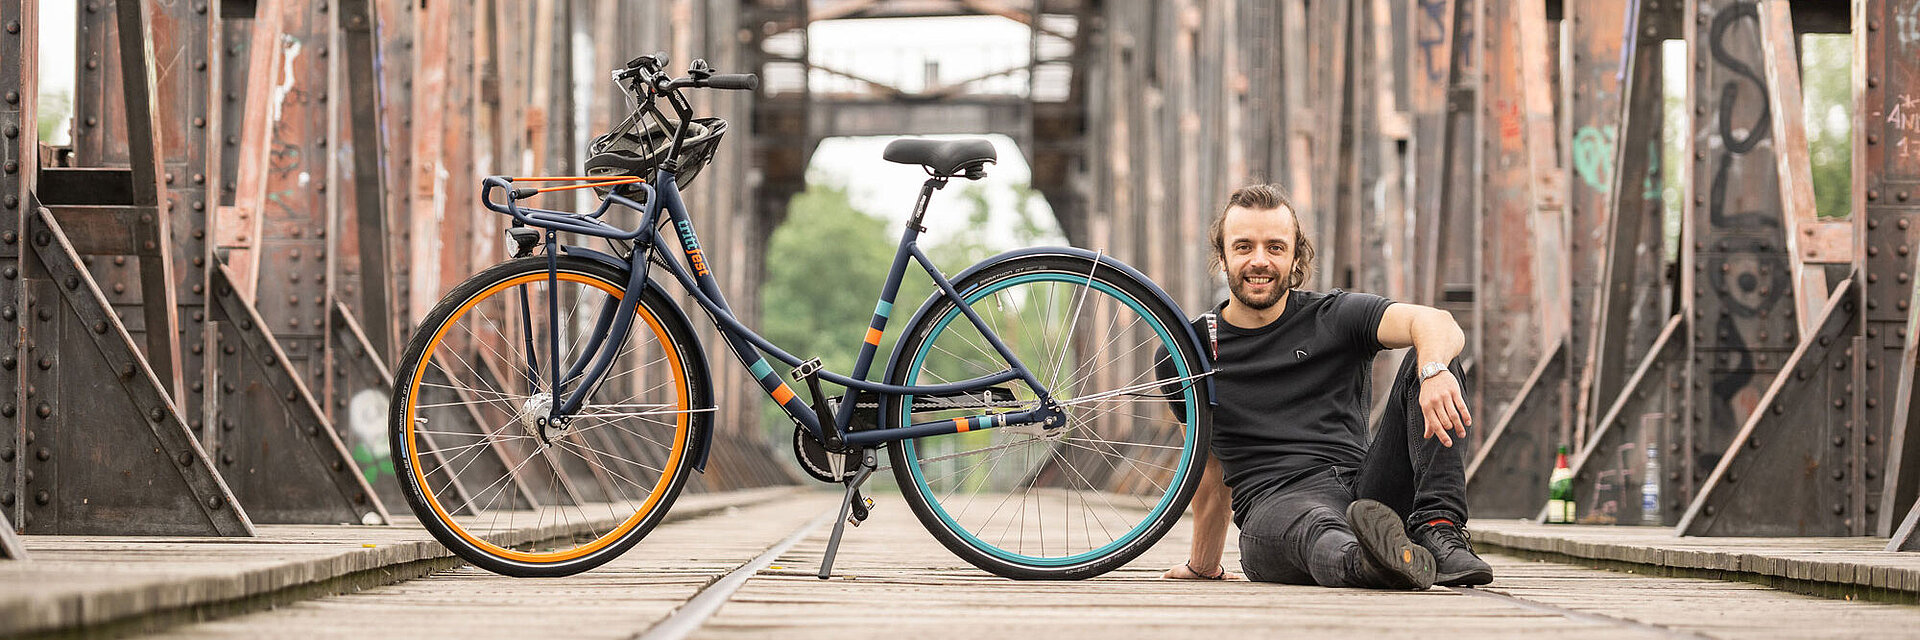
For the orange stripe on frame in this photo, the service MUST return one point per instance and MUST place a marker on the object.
(873, 336)
(782, 394)
(960, 424)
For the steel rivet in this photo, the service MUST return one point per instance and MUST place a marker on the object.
(43, 410)
(42, 497)
(215, 503)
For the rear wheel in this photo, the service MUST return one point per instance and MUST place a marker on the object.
(1071, 502)
(481, 467)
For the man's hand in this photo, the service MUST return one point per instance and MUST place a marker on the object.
(1444, 407)
(1181, 572)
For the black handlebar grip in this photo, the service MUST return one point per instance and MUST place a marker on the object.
(737, 81)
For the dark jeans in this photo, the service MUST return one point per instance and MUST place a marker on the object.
(1298, 534)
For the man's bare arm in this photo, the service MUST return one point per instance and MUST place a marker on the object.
(1435, 337)
(1212, 505)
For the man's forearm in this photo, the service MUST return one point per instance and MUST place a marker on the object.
(1436, 337)
(1212, 506)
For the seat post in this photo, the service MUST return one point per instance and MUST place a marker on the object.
(920, 206)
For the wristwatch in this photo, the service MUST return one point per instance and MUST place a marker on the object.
(1431, 369)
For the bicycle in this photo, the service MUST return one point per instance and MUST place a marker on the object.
(571, 362)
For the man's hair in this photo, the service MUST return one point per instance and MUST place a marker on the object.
(1262, 197)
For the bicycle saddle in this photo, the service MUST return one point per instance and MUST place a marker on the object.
(945, 158)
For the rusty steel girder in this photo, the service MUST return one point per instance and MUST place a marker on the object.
(1886, 187)
(1520, 343)
(1631, 413)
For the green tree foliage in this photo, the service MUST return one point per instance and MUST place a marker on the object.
(53, 111)
(825, 267)
(827, 263)
(1827, 81)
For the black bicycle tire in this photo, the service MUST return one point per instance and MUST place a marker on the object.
(1200, 435)
(655, 302)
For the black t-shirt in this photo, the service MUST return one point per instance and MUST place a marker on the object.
(1293, 394)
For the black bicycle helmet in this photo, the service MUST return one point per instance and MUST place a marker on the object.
(635, 150)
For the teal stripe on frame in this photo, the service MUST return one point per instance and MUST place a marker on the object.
(759, 368)
(884, 309)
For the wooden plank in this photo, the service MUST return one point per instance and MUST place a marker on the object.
(77, 582)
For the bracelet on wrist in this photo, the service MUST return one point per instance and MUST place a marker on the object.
(1222, 573)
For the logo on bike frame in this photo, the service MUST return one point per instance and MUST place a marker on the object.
(692, 244)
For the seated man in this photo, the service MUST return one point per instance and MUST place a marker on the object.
(1315, 502)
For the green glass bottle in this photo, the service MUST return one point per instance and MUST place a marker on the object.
(1560, 491)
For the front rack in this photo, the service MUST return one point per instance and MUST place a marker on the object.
(573, 222)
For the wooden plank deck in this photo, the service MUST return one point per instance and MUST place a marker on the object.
(893, 580)
(1834, 567)
(78, 582)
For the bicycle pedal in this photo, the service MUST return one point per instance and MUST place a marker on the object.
(806, 370)
(862, 508)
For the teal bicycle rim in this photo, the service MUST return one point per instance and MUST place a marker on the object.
(1189, 397)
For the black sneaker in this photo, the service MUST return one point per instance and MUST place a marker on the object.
(1452, 551)
(1393, 560)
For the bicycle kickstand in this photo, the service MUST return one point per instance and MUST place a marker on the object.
(853, 508)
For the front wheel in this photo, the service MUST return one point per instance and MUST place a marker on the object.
(1085, 498)
(488, 474)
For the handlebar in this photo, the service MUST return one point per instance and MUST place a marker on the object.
(700, 76)
(734, 81)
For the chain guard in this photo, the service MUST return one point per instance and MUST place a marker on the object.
(817, 461)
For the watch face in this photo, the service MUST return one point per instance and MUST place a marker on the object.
(1431, 369)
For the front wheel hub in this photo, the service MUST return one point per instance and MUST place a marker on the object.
(534, 415)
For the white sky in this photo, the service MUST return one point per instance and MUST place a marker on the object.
(898, 52)
(58, 20)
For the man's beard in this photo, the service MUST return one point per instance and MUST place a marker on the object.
(1237, 284)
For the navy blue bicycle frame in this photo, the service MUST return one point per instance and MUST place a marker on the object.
(696, 277)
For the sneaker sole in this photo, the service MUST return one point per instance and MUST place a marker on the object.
(1383, 536)
(1468, 578)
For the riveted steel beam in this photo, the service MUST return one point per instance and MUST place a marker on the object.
(117, 124)
(358, 405)
(1506, 476)
(1886, 210)
(19, 155)
(292, 253)
(102, 459)
(1597, 80)
(356, 25)
(1450, 253)
(275, 445)
(1622, 154)
(1513, 285)
(1609, 471)
(1736, 271)
(189, 109)
(1786, 472)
